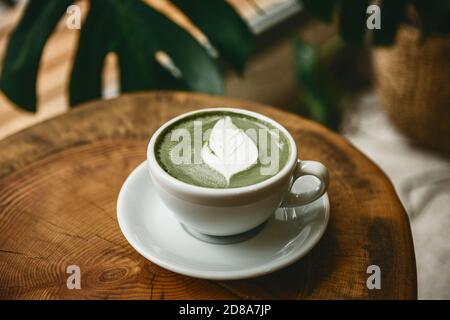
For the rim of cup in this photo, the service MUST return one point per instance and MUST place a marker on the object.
(199, 190)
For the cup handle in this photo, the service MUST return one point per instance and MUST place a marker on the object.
(307, 168)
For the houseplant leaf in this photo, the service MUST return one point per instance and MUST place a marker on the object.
(199, 72)
(224, 28)
(109, 30)
(138, 68)
(103, 32)
(137, 33)
(93, 45)
(23, 54)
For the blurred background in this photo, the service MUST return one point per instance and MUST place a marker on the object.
(387, 90)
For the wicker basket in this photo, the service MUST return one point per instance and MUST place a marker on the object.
(413, 85)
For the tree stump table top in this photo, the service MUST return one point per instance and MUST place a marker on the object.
(59, 182)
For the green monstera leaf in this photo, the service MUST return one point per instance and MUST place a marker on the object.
(139, 35)
(223, 28)
(23, 54)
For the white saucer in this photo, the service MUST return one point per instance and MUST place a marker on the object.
(154, 232)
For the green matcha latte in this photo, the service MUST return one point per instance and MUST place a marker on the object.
(222, 149)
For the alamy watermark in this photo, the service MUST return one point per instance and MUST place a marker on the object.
(73, 19)
(374, 20)
(374, 280)
(74, 279)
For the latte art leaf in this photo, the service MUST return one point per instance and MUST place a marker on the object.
(229, 149)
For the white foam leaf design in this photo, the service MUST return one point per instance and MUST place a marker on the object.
(229, 149)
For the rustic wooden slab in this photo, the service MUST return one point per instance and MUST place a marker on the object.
(59, 182)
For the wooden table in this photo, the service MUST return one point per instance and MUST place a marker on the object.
(59, 183)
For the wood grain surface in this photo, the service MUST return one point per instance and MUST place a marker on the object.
(59, 182)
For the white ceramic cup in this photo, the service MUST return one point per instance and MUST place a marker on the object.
(231, 211)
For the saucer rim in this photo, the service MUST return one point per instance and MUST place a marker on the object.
(252, 272)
